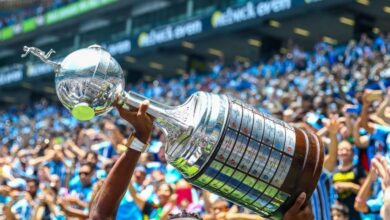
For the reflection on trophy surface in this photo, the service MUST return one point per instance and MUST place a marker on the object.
(216, 142)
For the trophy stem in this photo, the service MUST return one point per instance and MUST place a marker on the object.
(156, 109)
(164, 115)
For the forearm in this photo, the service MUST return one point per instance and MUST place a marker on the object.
(76, 149)
(354, 187)
(39, 160)
(381, 109)
(52, 208)
(359, 141)
(349, 124)
(137, 199)
(363, 194)
(242, 216)
(385, 210)
(331, 159)
(73, 212)
(207, 202)
(322, 131)
(115, 185)
(364, 119)
(82, 204)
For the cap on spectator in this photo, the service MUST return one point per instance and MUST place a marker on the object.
(17, 183)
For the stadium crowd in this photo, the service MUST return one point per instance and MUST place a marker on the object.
(51, 165)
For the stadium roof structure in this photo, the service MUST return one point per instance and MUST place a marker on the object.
(169, 38)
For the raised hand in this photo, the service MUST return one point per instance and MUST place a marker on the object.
(298, 211)
(142, 122)
(333, 125)
(381, 167)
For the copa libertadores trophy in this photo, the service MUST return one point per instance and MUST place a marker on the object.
(218, 143)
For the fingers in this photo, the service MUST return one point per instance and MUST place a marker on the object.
(378, 166)
(298, 203)
(383, 161)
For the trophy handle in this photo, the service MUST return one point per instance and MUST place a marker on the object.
(43, 56)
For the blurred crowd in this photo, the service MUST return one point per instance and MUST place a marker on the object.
(22, 10)
(51, 164)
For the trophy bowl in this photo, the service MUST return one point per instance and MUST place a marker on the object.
(87, 82)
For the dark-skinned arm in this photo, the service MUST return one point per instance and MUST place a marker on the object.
(299, 210)
(117, 182)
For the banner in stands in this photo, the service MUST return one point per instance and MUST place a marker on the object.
(51, 17)
(169, 32)
(73, 10)
(217, 19)
(250, 10)
(118, 48)
(11, 74)
(234, 15)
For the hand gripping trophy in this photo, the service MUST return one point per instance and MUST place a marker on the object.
(218, 143)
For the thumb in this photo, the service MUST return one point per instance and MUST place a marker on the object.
(143, 107)
(298, 203)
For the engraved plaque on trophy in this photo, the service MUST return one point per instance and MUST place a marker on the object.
(218, 143)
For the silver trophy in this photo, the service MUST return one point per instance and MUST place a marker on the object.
(216, 142)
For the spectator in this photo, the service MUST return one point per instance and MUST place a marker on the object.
(347, 178)
(81, 193)
(18, 207)
(340, 212)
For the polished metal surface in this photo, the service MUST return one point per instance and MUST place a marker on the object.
(249, 164)
(216, 142)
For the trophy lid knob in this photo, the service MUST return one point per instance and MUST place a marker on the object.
(95, 46)
(83, 112)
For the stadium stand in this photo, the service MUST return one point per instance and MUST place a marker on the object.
(51, 164)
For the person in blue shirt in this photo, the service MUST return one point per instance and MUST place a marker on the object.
(18, 207)
(58, 164)
(377, 141)
(171, 174)
(128, 209)
(81, 194)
